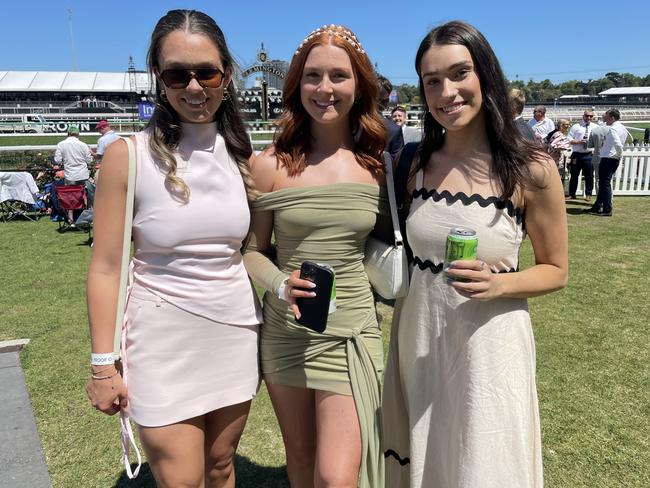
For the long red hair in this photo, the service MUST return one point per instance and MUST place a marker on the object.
(292, 141)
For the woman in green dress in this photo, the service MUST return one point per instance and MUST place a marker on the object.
(321, 190)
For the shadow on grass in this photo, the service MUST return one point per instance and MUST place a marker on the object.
(144, 480)
(249, 475)
(576, 211)
(253, 475)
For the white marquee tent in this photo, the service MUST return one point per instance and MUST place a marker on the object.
(73, 81)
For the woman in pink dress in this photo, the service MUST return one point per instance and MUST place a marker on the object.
(192, 317)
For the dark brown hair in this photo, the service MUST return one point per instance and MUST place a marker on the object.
(165, 125)
(511, 153)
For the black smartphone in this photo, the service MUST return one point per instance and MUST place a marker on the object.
(314, 310)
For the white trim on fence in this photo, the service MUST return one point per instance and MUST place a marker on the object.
(632, 177)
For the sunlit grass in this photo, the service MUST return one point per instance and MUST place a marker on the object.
(592, 358)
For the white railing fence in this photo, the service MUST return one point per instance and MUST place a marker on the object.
(632, 177)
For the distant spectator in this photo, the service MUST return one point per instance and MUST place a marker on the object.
(595, 143)
(611, 154)
(75, 156)
(558, 147)
(539, 124)
(108, 136)
(564, 125)
(410, 134)
(581, 157)
(395, 137)
(517, 101)
(398, 114)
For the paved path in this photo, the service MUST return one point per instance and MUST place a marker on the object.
(22, 464)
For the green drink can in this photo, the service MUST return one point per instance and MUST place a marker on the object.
(462, 244)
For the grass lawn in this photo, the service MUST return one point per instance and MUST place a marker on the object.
(592, 359)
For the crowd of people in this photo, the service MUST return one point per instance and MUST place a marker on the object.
(578, 149)
(210, 216)
(76, 164)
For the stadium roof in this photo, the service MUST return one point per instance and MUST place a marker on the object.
(72, 81)
(576, 96)
(628, 90)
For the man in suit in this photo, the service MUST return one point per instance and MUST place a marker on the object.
(517, 101)
(410, 134)
(395, 137)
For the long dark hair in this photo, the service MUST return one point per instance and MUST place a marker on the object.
(165, 125)
(292, 141)
(511, 153)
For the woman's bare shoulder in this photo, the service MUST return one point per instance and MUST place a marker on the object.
(264, 166)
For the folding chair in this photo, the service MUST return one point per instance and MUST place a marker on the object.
(18, 194)
(71, 197)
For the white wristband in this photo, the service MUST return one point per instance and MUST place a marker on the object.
(282, 290)
(102, 359)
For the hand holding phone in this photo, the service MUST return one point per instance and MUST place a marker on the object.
(295, 287)
(315, 310)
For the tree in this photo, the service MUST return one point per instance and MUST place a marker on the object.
(614, 77)
(406, 93)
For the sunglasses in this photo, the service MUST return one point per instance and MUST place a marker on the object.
(179, 78)
(588, 116)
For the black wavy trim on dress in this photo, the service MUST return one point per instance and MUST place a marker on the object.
(437, 268)
(402, 461)
(446, 195)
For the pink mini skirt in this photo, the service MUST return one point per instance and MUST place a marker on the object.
(182, 365)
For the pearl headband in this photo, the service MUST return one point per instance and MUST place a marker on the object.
(333, 30)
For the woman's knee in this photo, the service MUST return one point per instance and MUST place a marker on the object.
(336, 479)
(220, 466)
(301, 450)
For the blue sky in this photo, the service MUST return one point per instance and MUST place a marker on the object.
(557, 40)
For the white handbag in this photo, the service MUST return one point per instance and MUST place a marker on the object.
(386, 264)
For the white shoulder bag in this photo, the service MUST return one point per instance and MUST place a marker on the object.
(386, 264)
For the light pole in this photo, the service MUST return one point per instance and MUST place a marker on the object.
(74, 54)
(265, 101)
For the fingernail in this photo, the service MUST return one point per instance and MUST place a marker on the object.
(312, 285)
(312, 294)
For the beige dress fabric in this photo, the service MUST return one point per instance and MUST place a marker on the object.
(460, 401)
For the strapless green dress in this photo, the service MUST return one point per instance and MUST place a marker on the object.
(329, 224)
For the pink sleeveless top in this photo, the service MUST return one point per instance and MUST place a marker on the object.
(188, 254)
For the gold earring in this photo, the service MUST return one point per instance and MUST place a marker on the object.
(163, 96)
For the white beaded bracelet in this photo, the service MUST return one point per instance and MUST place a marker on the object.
(102, 359)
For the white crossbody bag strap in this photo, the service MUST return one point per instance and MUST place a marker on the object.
(388, 164)
(119, 347)
(126, 249)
